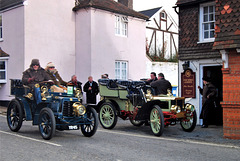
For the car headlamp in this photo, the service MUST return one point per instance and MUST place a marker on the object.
(189, 107)
(78, 109)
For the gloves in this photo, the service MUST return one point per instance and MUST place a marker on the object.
(31, 79)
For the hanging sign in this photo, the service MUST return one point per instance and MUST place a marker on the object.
(188, 84)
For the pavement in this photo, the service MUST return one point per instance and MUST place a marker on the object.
(213, 134)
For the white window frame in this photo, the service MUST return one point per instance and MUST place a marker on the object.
(201, 23)
(1, 28)
(119, 71)
(4, 59)
(163, 15)
(121, 25)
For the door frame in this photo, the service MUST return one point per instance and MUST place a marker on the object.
(201, 83)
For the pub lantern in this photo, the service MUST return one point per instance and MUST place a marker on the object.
(185, 65)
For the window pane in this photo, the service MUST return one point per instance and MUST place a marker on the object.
(206, 35)
(205, 18)
(212, 25)
(2, 64)
(212, 34)
(2, 75)
(0, 20)
(206, 26)
(205, 10)
(210, 9)
(211, 17)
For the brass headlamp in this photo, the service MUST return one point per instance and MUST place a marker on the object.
(189, 107)
(44, 90)
(78, 109)
(78, 93)
(175, 109)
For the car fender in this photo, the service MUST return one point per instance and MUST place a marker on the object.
(39, 107)
(108, 100)
(26, 108)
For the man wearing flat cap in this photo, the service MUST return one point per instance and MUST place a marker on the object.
(208, 94)
(53, 73)
(34, 74)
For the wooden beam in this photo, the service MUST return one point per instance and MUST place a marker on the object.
(152, 28)
(169, 26)
(174, 44)
(156, 23)
(151, 40)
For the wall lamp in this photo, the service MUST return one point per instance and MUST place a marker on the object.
(185, 65)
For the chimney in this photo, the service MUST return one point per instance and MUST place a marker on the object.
(128, 3)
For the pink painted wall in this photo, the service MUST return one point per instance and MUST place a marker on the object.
(13, 44)
(100, 47)
(50, 34)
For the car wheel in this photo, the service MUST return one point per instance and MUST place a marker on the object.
(108, 115)
(47, 123)
(137, 123)
(89, 130)
(156, 120)
(188, 124)
(14, 115)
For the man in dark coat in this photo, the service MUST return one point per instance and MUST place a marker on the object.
(208, 94)
(75, 82)
(34, 74)
(161, 85)
(53, 73)
(91, 89)
(152, 79)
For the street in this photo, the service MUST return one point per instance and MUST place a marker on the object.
(124, 142)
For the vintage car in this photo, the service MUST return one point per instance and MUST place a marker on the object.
(57, 110)
(136, 101)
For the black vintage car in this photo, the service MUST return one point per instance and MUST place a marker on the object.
(56, 110)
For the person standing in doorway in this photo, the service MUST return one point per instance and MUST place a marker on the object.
(91, 89)
(208, 94)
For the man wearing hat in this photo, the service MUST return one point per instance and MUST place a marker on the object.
(34, 74)
(53, 73)
(208, 94)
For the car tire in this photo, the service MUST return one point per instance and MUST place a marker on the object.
(189, 124)
(47, 123)
(89, 130)
(107, 115)
(156, 120)
(14, 115)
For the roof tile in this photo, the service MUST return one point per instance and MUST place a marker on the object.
(111, 6)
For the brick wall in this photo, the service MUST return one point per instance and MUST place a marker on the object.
(231, 97)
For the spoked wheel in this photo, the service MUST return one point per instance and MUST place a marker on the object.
(14, 115)
(107, 115)
(47, 123)
(137, 123)
(89, 130)
(188, 124)
(157, 120)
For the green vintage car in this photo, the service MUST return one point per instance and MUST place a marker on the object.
(136, 101)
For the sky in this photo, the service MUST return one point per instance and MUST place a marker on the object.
(140, 5)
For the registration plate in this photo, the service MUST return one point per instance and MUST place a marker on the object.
(75, 127)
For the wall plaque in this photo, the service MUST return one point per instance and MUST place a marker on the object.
(188, 84)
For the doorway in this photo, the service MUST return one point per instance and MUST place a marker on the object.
(215, 74)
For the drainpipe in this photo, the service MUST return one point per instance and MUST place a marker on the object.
(224, 58)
